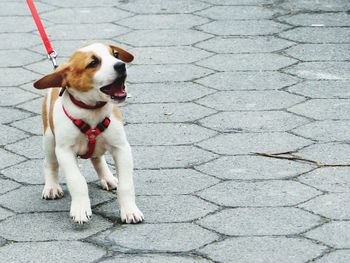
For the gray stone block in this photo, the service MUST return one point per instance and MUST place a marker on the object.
(32, 125)
(154, 258)
(246, 143)
(12, 135)
(164, 112)
(49, 227)
(15, 41)
(18, 58)
(253, 168)
(247, 80)
(166, 134)
(8, 159)
(253, 121)
(53, 251)
(263, 249)
(320, 35)
(245, 62)
(236, 12)
(243, 28)
(319, 52)
(334, 206)
(330, 179)
(7, 185)
(258, 194)
(169, 156)
(339, 256)
(326, 5)
(244, 44)
(267, 221)
(5, 213)
(325, 89)
(10, 114)
(177, 237)
(15, 77)
(335, 234)
(14, 8)
(17, 96)
(12, 24)
(30, 147)
(171, 181)
(32, 105)
(318, 19)
(159, 21)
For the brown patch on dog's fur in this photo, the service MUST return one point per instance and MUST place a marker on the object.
(55, 93)
(116, 113)
(44, 113)
(123, 54)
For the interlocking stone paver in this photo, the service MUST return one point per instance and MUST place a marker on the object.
(29, 87)
(83, 15)
(155, 236)
(5, 213)
(160, 73)
(245, 143)
(321, 70)
(7, 185)
(331, 179)
(323, 109)
(167, 134)
(243, 27)
(33, 105)
(339, 256)
(327, 89)
(263, 249)
(239, 2)
(28, 199)
(17, 58)
(168, 21)
(247, 80)
(329, 153)
(154, 258)
(49, 227)
(319, 52)
(8, 159)
(51, 251)
(168, 37)
(82, 31)
(236, 12)
(13, 8)
(15, 76)
(32, 125)
(256, 194)
(335, 234)
(250, 100)
(244, 45)
(171, 182)
(86, 3)
(174, 208)
(41, 67)
(236, 62)
(11, 114)
(168, 55)
(13, 135)
(335, 206)
(320, 35)
(166, 92)
(259, 121)
(22, 25)
(169, 156)
(18, 41)
(326, 5)
(30, 147)
(164, 112)
(318, 19)
(17, 96)
(326, 130)
(253, 167)
(269, 221)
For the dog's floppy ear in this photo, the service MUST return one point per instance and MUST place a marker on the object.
(123, 54)
(54, 79)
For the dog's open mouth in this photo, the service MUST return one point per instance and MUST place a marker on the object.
(116, 89)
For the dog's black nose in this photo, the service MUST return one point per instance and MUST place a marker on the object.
(119, 67)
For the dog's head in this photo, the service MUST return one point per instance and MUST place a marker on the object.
(96, 72)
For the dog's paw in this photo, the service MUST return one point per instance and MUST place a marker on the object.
(109, 183)
(131, 215)
(52, 192)
(80, 211)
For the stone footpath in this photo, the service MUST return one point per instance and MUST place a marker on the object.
(213, 81)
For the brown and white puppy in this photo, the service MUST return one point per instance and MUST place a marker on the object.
(95, 74)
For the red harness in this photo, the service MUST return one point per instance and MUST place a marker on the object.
(85, 128)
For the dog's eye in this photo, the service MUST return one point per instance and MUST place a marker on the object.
(94, 62)
(116, 54)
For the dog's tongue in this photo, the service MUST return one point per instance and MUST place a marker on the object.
(118, 91)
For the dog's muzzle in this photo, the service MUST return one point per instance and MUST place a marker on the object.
(116, 89)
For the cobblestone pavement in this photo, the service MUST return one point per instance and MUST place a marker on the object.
(212, 82)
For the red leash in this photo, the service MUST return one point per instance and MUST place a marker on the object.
(51, 53)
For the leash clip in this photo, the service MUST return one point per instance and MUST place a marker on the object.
(52, 56)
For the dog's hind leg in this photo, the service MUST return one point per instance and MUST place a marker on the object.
(108, 181)
(52, 189)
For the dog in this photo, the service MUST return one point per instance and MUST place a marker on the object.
(84, 122)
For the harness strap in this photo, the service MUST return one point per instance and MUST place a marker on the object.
(90, 133)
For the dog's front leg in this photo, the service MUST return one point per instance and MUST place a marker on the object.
(129, 212)
(80, 209)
